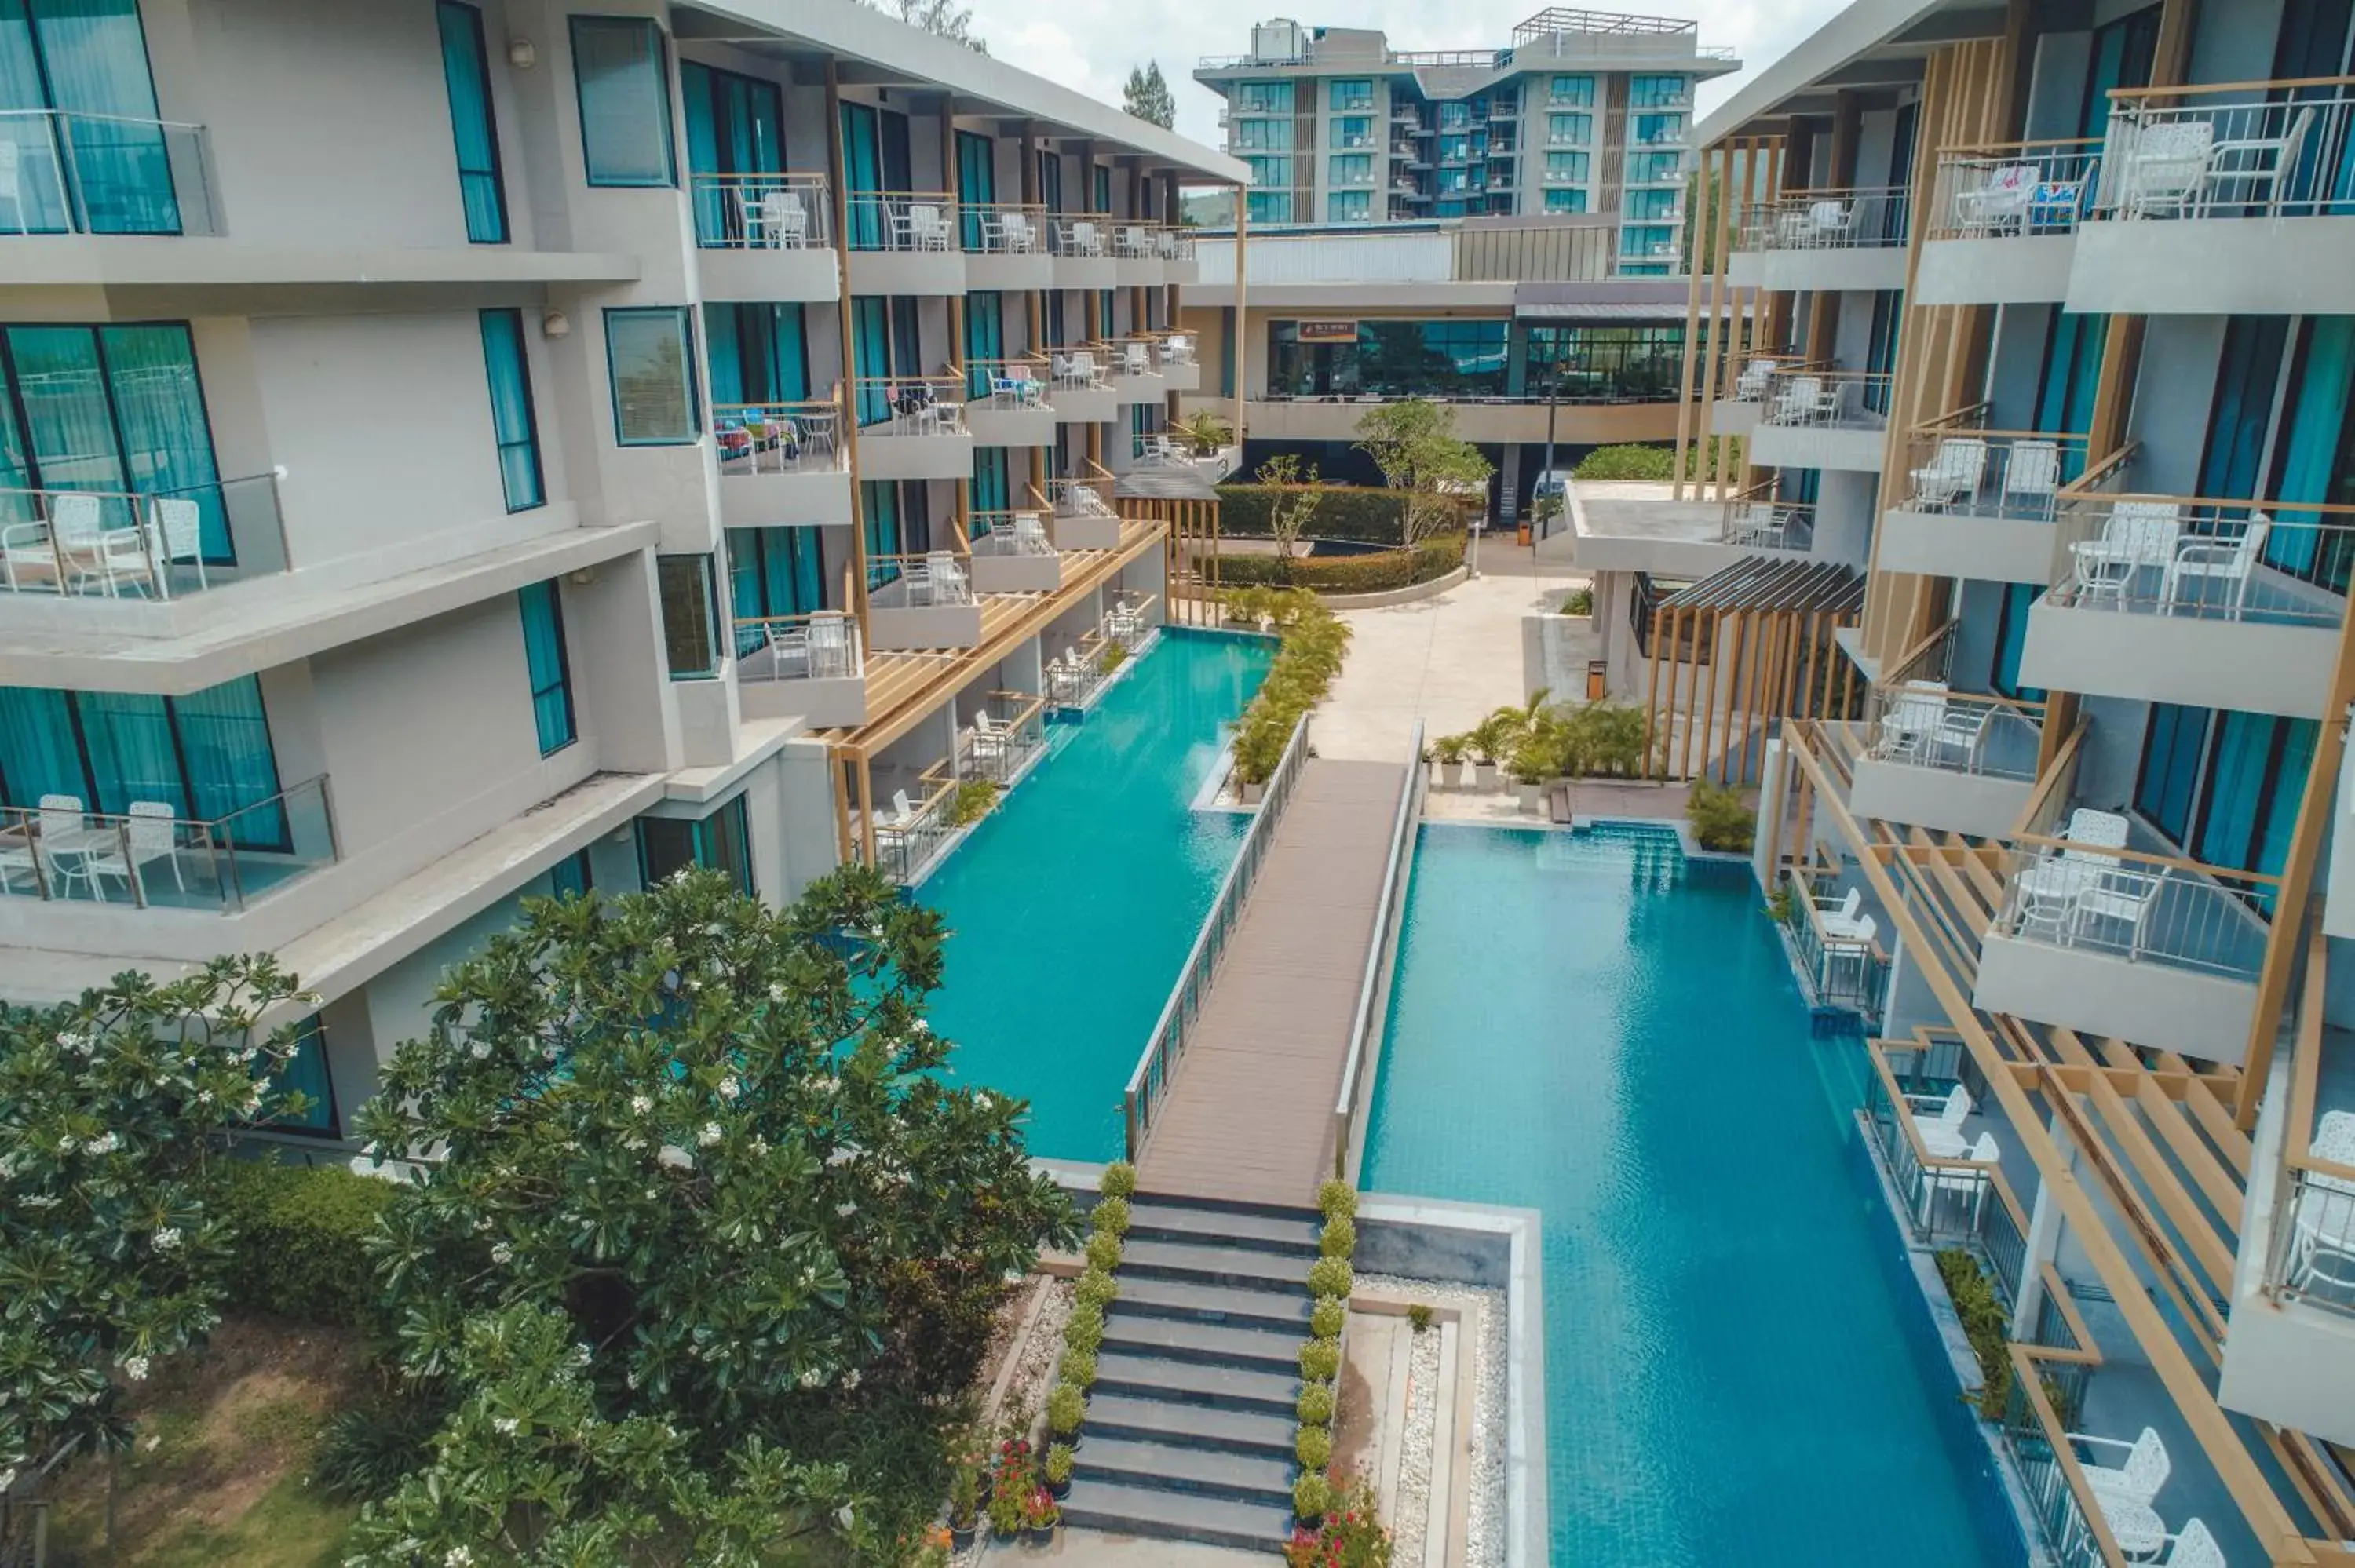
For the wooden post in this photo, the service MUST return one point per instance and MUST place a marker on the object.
(1706, 461)
(849, 411)
(866, 807)
(1239, 355)
(1652, 690)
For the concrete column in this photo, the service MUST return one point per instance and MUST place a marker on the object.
(1773, 781)
(2043, 1237)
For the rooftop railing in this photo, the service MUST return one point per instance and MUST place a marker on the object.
(157, 545)
(150, 856)
(1758, 519)
(800, 436)
(780, 211)
(2266, 149)
(1956, 466)
(1827, 400)
(2311, 1256)
(64, 172)
(1827, 220)
(2013, 189)
(901, 220)
(2139, 907)
(822, 645)
(892, 406)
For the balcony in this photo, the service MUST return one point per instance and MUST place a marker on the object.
(1759, 519)
(904, 243)
(1823, 240)
(1083, 517)
(765, 236)
(1838, 945)
(926, 601)
(1930, 1116)
(810, 666)
(2003, 222)
(2134, 944)
(150, 857)
(154, 547)
(1006, 403)
(1005, 246)
(1081, 386)
(2213, 200)
(107, 174)
(912, 427)
(1083, 254)
(1174, 362)
(1957, 762)
(1822, 418)
(1179, 263)
(1012, 553)
(1979, 502)
(1162, 450)
(782, 463)
(2180, 600)
(1129, 370)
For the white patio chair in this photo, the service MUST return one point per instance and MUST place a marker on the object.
(1751, 384)
(1913, 719)
(2031, 477)
(1941, 1130)
(2136, 535)
(1181, 348)
(91, 551)
(1845, 909)
(148, 834)
(67, 843)
(2241, 166)
(2001, 204)
(1954, 473)
(1121, 622)
(1796, 403)
(1829, 223)
(901, 817)
(27, 559)
(986, 740)
(1031, 534)
(2162, 166)
(947, 577)
(2139, 1477)
(829, 644)
(1135, 242)
(1969, 1187)
(2203, 559)
(788, 645)
(1016, 236)
(1084, 370)
(2323, 1251)
(1137, 359)
(778, 221)
(2192, 1548)
(178, 540)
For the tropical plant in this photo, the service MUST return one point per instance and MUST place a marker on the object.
(1349, 1533)
(1439, 474)
(1103, 1252)
(1114, 655)
(1721, 820)
(1097, 1288)
(1084, 1329)
(1607, 738)
(658, 1120)
(1109, 1216)
(1077, 1368)
(964, 1493)
(1329, 1276)
(116, 1247)
(1320, 1360)
(1118, 1181)
(972, 801)
(1450, 750)
(1067, 1406)
(1578, 601)
(1059, 1462)
(1312, 1494)
(1783, 904)
(1313, 641)
(1295, 492)
(1985, 1324)
(1494, 737)
(1207, 431)
(1418, 1316)
(1631, 462)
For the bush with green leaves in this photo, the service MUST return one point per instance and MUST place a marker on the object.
(1077, 1368)
(1057, 1468)
(1985, 1324)
(117, 1249)
(1328, 1316)
(368, 1450)
(1382, 571)
(1340, 1238)
(1720, 819)
(1084, 1329)
(1118, 1181)
(1316, 1404)
(1103, 1251)
(1336, 1200)
(1343, 511)
(1320, 1360)
(1312, 1446)
(1097, 1288)
(713, 1140)
(1330, 1277)
(1109, 1217)
(1066, 1407)
(1312, 1494)
(1313, 641)
(1627, 461)
(302, 1234)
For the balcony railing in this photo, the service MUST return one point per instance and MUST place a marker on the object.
(908, 837)
(1827, 220)
(1757, 519)
(103, 544)
(1958, 467)
(2013, 189)
(2086, 895)
(820, 646)
(1008, 730)
(69, 173)
(1007, 383)
(2249, 150)
(803, 437)
(1002, 228)
(1921, 724)
(1826, 399)
(1949, 1177)
(923, 581)
(783, 211)
(1126, 356)
(1011, 532)
(901, 220)
(152, 857)
(893, 406)
(2067, 1511)
(2311, 1256)
(1844, 961)
(1081, 236)
(2270, 561)
(1081, 497)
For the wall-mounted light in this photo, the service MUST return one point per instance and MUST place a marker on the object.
(555, 324)
(522, 54)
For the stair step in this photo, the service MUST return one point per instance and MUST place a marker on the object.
(1203, 1472)
(1153, 1376)
(1208, 1344)
(1189, 1425)
(1155, 1219)
(1245, 1269)
(1177, 1516)
(1214, 1303)
(1226, 1205)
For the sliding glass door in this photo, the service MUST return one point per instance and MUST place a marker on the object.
(208, 755)
(79, 104)
(759, 352)
(735, 126)
(862, 174)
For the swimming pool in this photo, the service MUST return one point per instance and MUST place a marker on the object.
(1736, 1367)
(1072, 906)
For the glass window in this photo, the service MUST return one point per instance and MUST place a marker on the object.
(1455, 115)
(1352, 92)
(1606, 364)
(570, 877)
(2011, 642)
(1656, 92)
(1565, 201)
(1655, 168)
(625, 90)
(512, 425)
(206, 755)
(688, 646)
(1351, 169)
(771, 572)
(755, 354)
(1267, 172)
(1655, 206)
(1571, 92)
(2170, 766)
(735, 129)
(1645, 241)
(2257, 769)
(87, 60)
(1455, 149)
(304, 1073)
(1570, 130)
(992, 489)
(1270, 206)
(1263, 97)
(550, 668)
(1392, 358)
(1264, 135)
(1660, 130)
(1352, 132)
(466, 69)
(650, 357)
(1348, 207)
(720, 842)
(1566, 168)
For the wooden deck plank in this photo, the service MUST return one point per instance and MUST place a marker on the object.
(1248, 1114)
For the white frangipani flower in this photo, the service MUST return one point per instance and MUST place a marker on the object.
(501, 1253)
(708, 1136)
(135, 1368)
(167, 1238)
(729, 1088)
(675, 1158)
(641, 1104)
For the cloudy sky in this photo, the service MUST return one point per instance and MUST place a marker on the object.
(1091, 44)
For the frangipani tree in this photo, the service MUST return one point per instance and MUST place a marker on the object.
(1439, 476)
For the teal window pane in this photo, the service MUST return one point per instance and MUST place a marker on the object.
(304, 1073)
(735, 127)
(514, 426)
(465, 70)
(1571, 92)
(1570, 130)
(1570, 167)
(1352, 92)
(86, 59)
(720, 841)
(570, 877)
(650, 357)
(624, 86)
(1350, 206)
(1655, 91)
(1270, 206)
(690, 648)
(549, 668)
(1566, 200)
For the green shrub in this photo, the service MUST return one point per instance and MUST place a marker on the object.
(1984, 1324)
(1109, 1216)
(1066, 1408)
(1326, 1318)
(1115, 655)
(1719, 819)
(1343, 511)
(1059, 1462)
(1314, 638)
(1085, 1329)
(300, 1230)
(1312, 1446)
(1078, 1368)
(1578, 601)
(1311, 1495)
(1320, 1360)
(1630, 462)
(1103, 1251)
(1378, 573)
(972, 802)
(1340, 1237)
(1097, 1289)
(1330, 1277)
(1418, 1316)
(1118, 1181)
(366, 1451)
(1315, 1406)
(1335, 1199)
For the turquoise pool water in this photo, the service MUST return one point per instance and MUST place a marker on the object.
(1738, 1370)
(1073, 905)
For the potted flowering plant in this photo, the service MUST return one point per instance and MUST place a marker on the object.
(1041, 1515)
(1059, 1470)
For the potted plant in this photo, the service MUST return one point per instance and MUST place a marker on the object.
(1041, 1515)
(1007, 1511)
(1492, 740)
(1449, 750)
(1066, 1407)
(1532, 763)
(1059, 1470)
(1311, 1495)
(964, 1504)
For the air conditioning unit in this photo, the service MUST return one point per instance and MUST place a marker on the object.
(1280, 39)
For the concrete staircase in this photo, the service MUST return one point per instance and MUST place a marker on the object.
(1189, 1426)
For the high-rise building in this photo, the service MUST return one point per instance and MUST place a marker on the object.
(451, 452)
(1584, 112)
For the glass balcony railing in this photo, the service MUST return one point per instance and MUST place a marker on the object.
(161, 545)
(152, 857)
(65, 172)
(2248, 150)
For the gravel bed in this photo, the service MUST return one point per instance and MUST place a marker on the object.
(1034, 1374)
(1484, 1317)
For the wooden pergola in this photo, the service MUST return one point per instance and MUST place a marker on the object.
(1740, 649)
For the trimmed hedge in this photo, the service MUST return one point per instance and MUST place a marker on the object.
(1344, 512)
(1377, 573)
(298, 1252)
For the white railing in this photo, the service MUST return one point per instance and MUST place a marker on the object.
(1957, 468)
(918, 582)
(1826, 399)
(2273, 150)
(1011, 532)
(803, 437)
(901, 220)
(2124, 904)
(1156, 1067)
(1387, 911)
(783, 211)
(105, 544)
(910, 406)
(1002, 229)
(822, 645)
(64, 172)
(150, 856)
(1827, 220)
(1923, 725)
(2013, 189)
(1757, 519)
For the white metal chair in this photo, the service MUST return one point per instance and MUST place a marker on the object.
(830, 648)
(1829, 223)
(27, 558)
(1942, 1130)
(1797, 402)
(1751, 386)
(1016, 236)
(1085, 240)
(1031, 534)
(150, 833)
(1180, 347)
(922, 227)
(178, 540)
(903, 814)
(2163, 166)
(67, 843)
(2139, 1476)
(2031, 477)
(1083, 370)
(986, 739)
(2239, 167)
(88, 550)
(1119, 620)
(2136, 535)
(1968, 1186)
(2001, 204)
(1135, 359)
(947, 578)
(788, 645)
(2192, 1548)
(1844, 912)
(1135, 242)
(1913, 719)
(2202, 559)
(778, 221)
(1954, 473)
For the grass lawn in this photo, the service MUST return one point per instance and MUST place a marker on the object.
(224, 1449)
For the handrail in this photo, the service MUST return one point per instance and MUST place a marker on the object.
(2052, 790)
(1167, 1043)
(2027, 1385)
(1386, 916)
